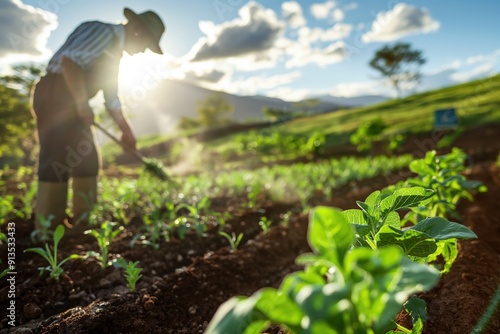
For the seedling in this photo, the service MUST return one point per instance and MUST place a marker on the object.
(44, 232)
(55, 268)
(234, 241)
(265, 224)
(104, 237)
(132, 274)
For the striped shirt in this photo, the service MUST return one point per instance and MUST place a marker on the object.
(85, 45)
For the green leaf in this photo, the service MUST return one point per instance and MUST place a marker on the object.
(235, 316)
(330, 234)
(405, 198)
(39, 251)
(413, 243)
(355, 216)
(58, 234)
(417, 309)
(420, 167)
(373, 199)
(393, 220)
(362, 230)
(278, 308)
(442, 229)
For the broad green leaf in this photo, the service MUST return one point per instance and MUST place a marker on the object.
(321, 302)
(279, 308)
(373, 199)
(293, 283)
(405, 198)
(355, 216)
(329, 233)
(39, 251)
(413, 243)
(393, 220)
(235, 316)
(362, 230)
(420, 167)
(416, 277)
(442, 229)
(417, 309)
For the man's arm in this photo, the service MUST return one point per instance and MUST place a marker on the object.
(75, 80)
(128, 138)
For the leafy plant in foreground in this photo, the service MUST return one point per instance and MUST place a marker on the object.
(132, 274)
(55, 267)
(341, 290)
(265, 223)
(104, 237)
(378, 224)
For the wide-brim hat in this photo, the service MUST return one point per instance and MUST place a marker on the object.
(153, 24)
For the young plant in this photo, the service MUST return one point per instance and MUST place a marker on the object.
(154, 230)
(341, 290)
(378, 224)
(104, 237)
(233, 240)
(54, 267)
(44, 232)
(132, 274)
(443, 175)
(265, 224)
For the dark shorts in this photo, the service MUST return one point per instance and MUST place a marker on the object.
(67, 147)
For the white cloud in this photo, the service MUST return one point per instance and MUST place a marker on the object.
(307, 35)
(480, 71)
(483, 58)
(25, 30)
(254, 32)
(401, 21)
(351, 6)
(292, 12)
(255, 84)
(301, 56)
(323, 10)
(351, 89)
(290, 94)
(338, 14)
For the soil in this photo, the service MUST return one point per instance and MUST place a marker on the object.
(186, 280)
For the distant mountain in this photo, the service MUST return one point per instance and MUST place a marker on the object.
(160, 111)
(356, 101)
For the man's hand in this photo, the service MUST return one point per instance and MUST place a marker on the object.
(128, 140)
(85, 113)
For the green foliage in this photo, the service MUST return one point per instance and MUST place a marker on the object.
(55, 267)
(132, 274)
(443, 174)
(233, 239)
(341, 290)
(17, 138)
(104, 237)
(378, 225)
(399, 64)
(214, 111)
(367, 133)
(265, 224)
(43, 234)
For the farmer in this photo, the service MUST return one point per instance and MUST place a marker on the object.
(87, 63)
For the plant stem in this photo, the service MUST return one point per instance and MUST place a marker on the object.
(490, 310)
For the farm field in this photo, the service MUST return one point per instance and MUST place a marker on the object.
(189, 268)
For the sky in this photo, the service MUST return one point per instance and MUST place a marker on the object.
(286, 49)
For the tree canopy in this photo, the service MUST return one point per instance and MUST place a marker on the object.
(400, 64)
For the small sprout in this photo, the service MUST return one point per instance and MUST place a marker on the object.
(104, 237)
(132, 274)
(234, 240)
(51, 255)
(265, 224)
(43, 233)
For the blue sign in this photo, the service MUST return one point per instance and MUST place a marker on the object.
(445, 118)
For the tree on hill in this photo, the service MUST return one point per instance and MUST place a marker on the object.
(400, 64)
(213, 111)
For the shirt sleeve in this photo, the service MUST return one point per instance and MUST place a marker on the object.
(110, 92)
(87, 43)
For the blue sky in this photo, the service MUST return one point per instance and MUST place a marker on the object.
(286, 49)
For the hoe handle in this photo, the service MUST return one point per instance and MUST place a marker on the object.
(135, 153)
